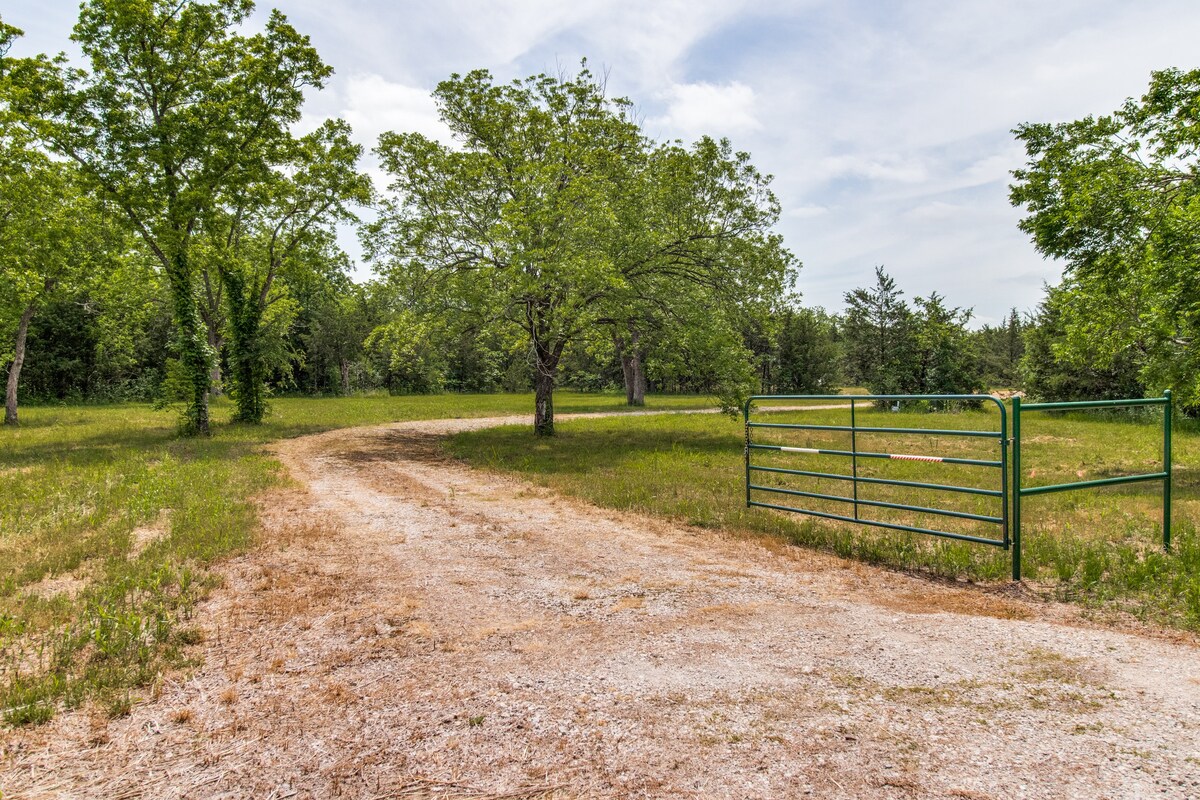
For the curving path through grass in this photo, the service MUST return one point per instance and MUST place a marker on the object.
(410, 627)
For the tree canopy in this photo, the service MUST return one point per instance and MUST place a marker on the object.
(1117, 198)
(177, 112)
(556, 216)
(893, 348)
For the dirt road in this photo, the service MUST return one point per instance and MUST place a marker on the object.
(413, 628)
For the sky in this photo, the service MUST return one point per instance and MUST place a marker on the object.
(887, 125)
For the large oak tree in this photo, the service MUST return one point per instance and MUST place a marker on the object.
(555, 215)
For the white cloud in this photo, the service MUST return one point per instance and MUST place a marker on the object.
(806, 212)
(936, 211)
(696, 109)
(373, 104)
(997, 166)
(882, 167)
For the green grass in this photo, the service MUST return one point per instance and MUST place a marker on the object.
(78, 481)
(1099, 547)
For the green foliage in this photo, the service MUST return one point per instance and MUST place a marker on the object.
(273, 229)
(1001, 349)
(947, 362)
(556, 218)
(409, 350)
(62, 346)
(335, 319)
(178, 112)
(807, 356)
(1052, 369)
(894, 349)
(54, 240)
(1116, 198)
(707, 358)
(879, 337)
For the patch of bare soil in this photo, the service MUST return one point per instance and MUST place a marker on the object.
(413, 628)
(143, 536)
(65, 583)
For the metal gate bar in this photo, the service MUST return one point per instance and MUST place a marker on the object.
(912, 484)
(971, 462)
(895, 526)
(1001, 437)
(879, 504)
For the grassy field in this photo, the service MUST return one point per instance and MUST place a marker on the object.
(1100, 547)
(109, 524)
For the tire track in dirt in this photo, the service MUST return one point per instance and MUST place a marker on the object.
(414, 628)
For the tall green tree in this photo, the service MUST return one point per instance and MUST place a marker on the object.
(177, 110)
(807, 358)
(896, 349)
(694, 246)
(880, 337)
(1117, 198)
(507, 225)
(947, 361)
(1053, 368)
(526, 224)
(277, 226)
(53, 237)
(1000, 349)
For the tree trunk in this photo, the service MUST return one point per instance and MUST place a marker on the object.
(14, 371)
(193, 346)
(635, 385)
(245, 345)
(213, 318)
(632, 368)
(543, 389)
(543, 398)
(344, 368)
(214, 376)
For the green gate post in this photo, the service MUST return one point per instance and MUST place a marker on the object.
(1016, 489)
(747, 454)
(1004, 489)
(1167, 470)
(854, 458)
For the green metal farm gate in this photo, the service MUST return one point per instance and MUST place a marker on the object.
(1005, 493)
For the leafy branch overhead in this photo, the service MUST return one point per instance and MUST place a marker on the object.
(1118, 198)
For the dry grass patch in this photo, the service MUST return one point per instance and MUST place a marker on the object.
(430, 789)
(937, 600)
(509, 628)
(143, 536)
(630, 603)
(1043, 665)
(68, 584)
(182, 716)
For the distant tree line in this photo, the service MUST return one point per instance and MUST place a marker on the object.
(105, 344)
